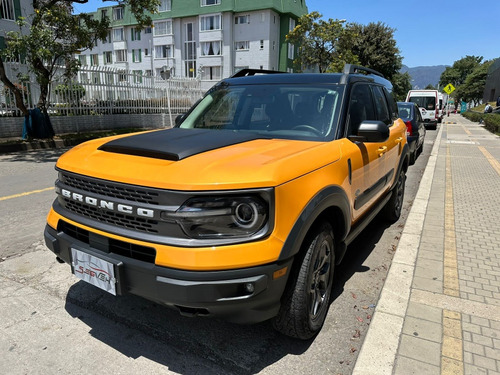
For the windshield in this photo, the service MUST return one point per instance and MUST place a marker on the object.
(426, 102)
(272, 111)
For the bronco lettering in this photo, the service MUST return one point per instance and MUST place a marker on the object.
(109, 205)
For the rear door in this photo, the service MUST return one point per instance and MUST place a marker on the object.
(366, 159)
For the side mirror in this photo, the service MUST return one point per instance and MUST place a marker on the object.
(179, 119)
(371, 132)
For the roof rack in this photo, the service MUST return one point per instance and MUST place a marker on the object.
(251, 72)
(351, 68)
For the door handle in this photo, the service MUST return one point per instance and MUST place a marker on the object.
(382, 150)
(399, 140)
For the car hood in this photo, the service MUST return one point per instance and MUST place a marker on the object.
(187, 159)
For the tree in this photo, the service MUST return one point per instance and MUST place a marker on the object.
(457, 75)
(401, 83)
(430, 87)
(55, 35)
(317, 40)
(473, 88)
(374, 47)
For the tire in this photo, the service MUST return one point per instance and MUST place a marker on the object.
(392, 210)
(306, 300)
(413, 157)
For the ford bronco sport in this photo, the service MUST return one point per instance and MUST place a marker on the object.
(243, 209)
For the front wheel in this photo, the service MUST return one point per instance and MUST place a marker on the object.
(392, 210)
(307, 297)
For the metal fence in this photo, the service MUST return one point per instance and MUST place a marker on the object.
(101, 90)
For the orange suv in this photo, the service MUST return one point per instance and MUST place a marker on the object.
(244, 208)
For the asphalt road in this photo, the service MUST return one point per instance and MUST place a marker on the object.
(53, 323)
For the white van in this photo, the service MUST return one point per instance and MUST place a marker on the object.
(428, 102)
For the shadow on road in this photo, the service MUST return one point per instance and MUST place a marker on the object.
(35, 156)
(230, 348)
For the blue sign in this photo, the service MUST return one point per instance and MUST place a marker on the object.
(463, 107)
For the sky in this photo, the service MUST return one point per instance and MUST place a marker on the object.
(426, 32)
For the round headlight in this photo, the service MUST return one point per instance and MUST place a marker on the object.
(246, 214)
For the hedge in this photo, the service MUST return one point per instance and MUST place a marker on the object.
(491, 121)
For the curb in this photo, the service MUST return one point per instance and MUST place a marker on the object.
(37, 145)
(378, 352)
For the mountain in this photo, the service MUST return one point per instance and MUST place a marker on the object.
(424, 75)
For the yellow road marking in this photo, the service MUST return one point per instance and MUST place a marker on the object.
(494, 162)
(451, 285)
(452, 349)
(25, 193)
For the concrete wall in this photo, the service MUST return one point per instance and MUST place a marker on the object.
(12, 127)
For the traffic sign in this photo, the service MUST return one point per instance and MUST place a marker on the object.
(449, 88)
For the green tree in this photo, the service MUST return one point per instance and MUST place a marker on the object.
(374, 47)
(55, 35)
(430, 87)
(401, 83)
(473, 88)
(317, 41)
(457, 75)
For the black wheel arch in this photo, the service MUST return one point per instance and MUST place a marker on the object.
(330, 204)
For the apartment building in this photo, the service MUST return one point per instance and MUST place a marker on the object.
(206, 39)
(10, 11)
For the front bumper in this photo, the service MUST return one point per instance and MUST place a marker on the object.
(206, 293)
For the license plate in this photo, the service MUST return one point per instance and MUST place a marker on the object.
(94, 270)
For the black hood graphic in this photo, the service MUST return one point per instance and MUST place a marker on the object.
(175, 144)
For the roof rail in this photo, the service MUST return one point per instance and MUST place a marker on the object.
(351, 68)
(251, 72)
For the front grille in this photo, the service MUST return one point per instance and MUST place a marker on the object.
(126, 249)
(129, 192)
(114, 218)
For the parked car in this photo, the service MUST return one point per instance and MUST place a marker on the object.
(244, 208)
(428, 104)
(415, 128)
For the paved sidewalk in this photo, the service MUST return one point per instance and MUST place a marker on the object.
(439, 310)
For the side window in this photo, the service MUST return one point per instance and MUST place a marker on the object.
(393, 106)
(381, 105)
(360, 107)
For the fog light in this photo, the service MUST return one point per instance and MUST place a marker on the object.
(249, 287)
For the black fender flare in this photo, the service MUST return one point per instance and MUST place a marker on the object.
(329, 197)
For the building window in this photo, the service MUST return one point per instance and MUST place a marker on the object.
(107, 39)
(291, 51)
(94, 60)
(262, 44)
(242, 19)
(7, 9)
(121, 55)
(205, 3)
(208, 23)
(137, 76)
(164, 51)
(104, 14)
(83, 60)
(211, 73)
(108, 57)
(189, 52)
(136, 55)
(163, 28)
(118, 13)
(210, 48)
(148, 30)
(291, 24)
(148, 73)
(242, 46)
(165, 6)
(118, 35)
(135, 34)
(146, 51)
(122, 76)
